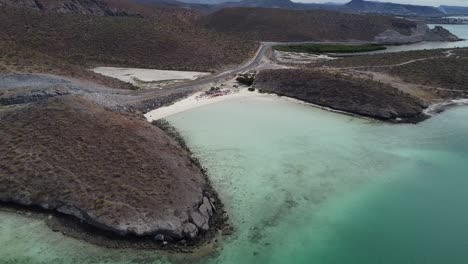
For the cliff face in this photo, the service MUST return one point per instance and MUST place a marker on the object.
(421, 33)
(113, 171)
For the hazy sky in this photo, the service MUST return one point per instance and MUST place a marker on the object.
(413, 2)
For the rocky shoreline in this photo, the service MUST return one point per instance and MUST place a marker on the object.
(191, 212)
(363, 98)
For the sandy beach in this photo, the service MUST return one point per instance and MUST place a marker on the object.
(197, 100)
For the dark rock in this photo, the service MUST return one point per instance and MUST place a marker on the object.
(227, 231)
(246, 79)
(159, 237)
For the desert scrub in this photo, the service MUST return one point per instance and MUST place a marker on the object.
(353, 95)
(329, 48)
(246, 79)
(383, 59)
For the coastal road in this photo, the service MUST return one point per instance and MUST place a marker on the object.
(199, 84)
(261, 57)
(251, 64)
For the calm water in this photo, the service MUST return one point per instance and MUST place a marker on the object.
(307, 186)
(460, 30)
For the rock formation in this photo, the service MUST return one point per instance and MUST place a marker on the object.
(113, 171)
(420, 33)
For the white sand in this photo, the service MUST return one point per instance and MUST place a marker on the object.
(133, 75)
(194, 101)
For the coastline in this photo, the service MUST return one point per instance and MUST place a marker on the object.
(194, 101)
(72, 228)
(94, 229)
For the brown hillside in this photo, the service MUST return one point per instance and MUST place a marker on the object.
(362, 97)
(114, 171)
(296, 25)
(164, 42)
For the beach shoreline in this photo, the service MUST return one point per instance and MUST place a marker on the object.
(200, 99)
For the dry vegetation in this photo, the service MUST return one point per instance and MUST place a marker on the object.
(119, 172)
(448, 73)
(163, 42)
(445, 72)
(357, 96)
(282, 25)
(14, 58)
(382, 59)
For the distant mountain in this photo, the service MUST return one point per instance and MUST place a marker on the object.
(208, 2)
(190, 4)
(286, 4)
(362, 6)
(267, 24)
(454, 10)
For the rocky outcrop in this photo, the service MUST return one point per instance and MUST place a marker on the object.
(113, 171)
(355, 96)
(420, 33)
(439, 33)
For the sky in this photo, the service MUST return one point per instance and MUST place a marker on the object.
(413, 2)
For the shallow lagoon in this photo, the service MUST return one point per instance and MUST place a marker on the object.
(303, 185)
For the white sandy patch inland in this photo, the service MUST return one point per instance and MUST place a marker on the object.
(136, 76)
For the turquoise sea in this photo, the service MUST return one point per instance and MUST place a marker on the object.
(303, 185)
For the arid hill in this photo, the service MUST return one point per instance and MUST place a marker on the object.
(116, 172)
(170, 40)
(357, 96)
(381, 7)
(98, 7)
(295, 25)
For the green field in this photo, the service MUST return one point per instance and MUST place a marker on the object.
(329, 48)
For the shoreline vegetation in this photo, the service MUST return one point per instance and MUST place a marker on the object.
(329, 48)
